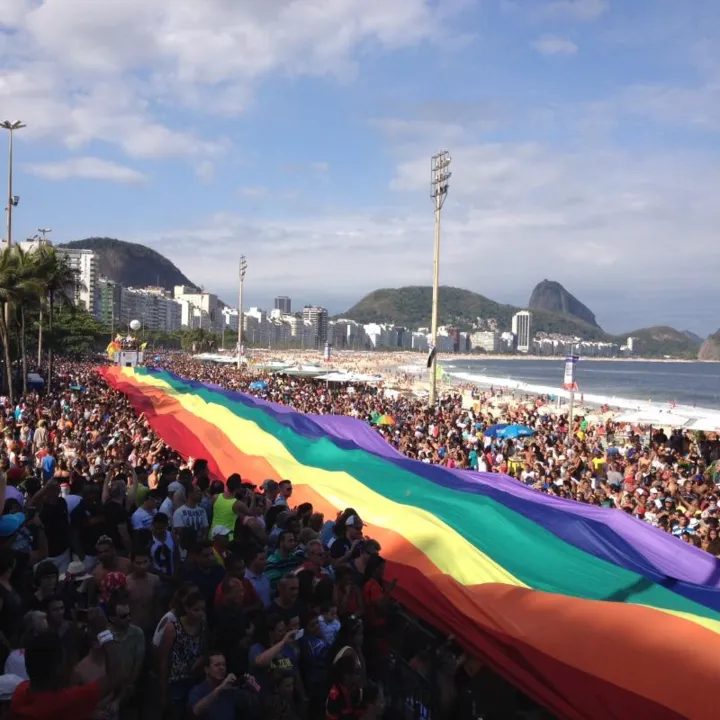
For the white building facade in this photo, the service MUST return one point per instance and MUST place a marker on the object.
(85, 264)
(521, 327)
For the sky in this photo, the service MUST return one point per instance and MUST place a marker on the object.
(583, 135)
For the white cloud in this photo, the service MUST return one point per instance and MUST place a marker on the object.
(83, 71)
(553, 45)
(578, 9)
(88, 168)
(516, 213)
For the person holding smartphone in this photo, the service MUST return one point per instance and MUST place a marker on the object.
(222, 695)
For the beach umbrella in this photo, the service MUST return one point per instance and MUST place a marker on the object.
(495, 430)
(385, 420)
(511, 432)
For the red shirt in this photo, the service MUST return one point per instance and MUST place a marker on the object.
(74, 703)
(372, 593)
(250, 596)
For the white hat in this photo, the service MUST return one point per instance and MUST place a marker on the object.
(76, 571)
(219, 530)
(174, 486)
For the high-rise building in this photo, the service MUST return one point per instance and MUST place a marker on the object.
(282, 303)
(108, 302)
(85, 264)
(318, 318)
(521, 324)
(207, 307)
(153, 307)
(486, 340)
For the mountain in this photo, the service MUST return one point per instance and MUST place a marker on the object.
(662, 341)
(552, 297)
(693, 336)
(411, 307)
(710, 349)
(132, 265)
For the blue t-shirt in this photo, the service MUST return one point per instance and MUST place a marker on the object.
(285, 660)
(226, 704)
(48, 467)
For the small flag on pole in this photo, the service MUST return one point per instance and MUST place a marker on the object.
(431, 354)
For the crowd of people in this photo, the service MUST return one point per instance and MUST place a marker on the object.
(670, 481)
(134, 585)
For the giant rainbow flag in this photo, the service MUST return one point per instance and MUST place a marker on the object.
(590, 611)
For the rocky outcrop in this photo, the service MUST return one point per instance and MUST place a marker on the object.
(553, 297)
(710, 349)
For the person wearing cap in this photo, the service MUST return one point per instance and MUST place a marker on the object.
(166, 506)
(348, 534)
(73, 586)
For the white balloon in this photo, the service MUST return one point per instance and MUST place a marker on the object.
(135, 324)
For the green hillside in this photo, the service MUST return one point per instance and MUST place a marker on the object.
(662, 341)
(411, 307)
(131, 264)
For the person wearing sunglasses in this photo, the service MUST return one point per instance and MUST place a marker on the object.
(131, 642)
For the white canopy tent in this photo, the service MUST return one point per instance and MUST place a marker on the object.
(705, 424)
(658, 419)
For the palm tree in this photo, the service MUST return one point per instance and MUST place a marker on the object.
(30, 291)
(60, 283)
(16, 286)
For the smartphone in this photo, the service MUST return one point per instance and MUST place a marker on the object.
(251, 683)
(299, 634)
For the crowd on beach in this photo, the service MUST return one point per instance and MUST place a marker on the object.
(133, 584)
(670, 480)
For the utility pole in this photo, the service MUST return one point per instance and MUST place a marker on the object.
(439, 183)
(12, 200)
(243, 270)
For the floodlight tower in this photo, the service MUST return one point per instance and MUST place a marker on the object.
(243, 270)
(439, 183)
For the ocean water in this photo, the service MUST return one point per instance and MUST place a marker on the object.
(687, 384)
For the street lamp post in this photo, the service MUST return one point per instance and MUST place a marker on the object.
(439, 183)
(12, 201)
(243, 270)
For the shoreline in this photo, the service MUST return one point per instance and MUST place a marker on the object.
(561, 358)
(406, 371)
